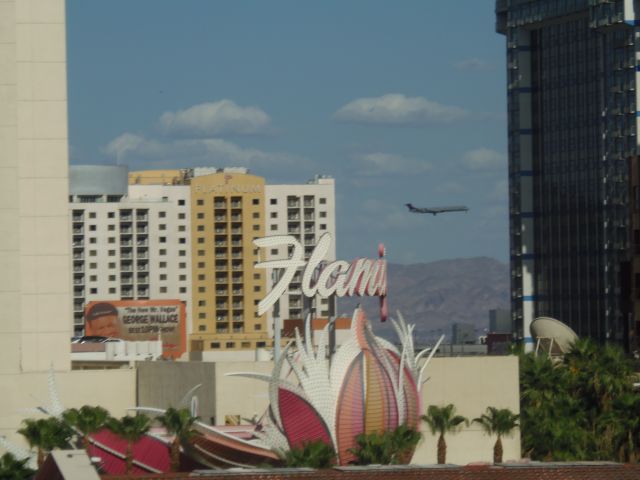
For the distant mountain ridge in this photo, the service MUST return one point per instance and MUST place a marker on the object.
(438, 294)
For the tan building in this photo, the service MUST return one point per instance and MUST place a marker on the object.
(227, 214)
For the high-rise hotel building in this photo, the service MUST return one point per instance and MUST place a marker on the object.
(188, 235)
(573, 169)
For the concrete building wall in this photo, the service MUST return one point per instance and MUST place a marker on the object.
(34, 233)
(472, 385)
(114, 390)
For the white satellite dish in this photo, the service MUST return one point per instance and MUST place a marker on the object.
(559, 336)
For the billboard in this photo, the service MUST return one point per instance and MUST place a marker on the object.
(138, 320)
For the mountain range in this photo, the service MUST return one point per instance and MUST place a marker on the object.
(435, 295)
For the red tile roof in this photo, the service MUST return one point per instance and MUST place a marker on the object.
(524, 471)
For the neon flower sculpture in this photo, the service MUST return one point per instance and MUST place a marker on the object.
(367, 386)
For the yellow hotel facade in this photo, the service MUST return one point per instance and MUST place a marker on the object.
(226, 214)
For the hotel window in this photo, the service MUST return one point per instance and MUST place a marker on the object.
(93, 278)
(201, 264)
(182, 265)
(162, 226)
(201, 277)
(215, 344)
(182, 253)
(163, 289)
(92, 214)
(273, 227)
(230, 345)
(245, 344)
(257, 326)
(182, 278)
(274, 214)
(200, 216)
(112, 290)
(201, 253)
(111, 228)
(274, 251)
(201, 228)
(93, 265)
(93, 291)
(163, 276)
(183, 290)
(112, 253)
(202, 315)
(162, 251)
(323, 214)
(200, 202)
(273, 201)
(256, 288)
(112, 278)
(162, 264)
(256, 214)
(202, 289)
(112, 240)
(163, 239)
(181, 228)
(202, 328)
(92, 228)
(93, 240)
(256, 201)
(181, 203)
(256, 227)
(261, 344)
(162, 214)
(181, 216)
(111, 215)
(92, 253)
(112, 265)
(323, 201)
(323, 226)
(256, 276)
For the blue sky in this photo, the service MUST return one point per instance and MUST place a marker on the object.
(399, 101)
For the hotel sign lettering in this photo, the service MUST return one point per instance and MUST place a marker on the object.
(362, 276)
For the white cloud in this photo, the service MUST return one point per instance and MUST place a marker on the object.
(397, 109)
(484, 159)
(215, 118)
(389, 163)
(192, 152)
(472, 64)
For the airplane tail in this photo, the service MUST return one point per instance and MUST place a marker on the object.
(411, 207)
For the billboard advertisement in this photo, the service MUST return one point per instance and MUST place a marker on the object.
(139, 320)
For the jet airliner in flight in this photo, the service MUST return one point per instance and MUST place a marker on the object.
(437, 210)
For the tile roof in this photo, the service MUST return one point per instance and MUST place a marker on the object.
(516, 471)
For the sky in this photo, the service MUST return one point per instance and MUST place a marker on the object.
(400, 102)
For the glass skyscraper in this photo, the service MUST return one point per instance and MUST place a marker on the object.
(571, 74)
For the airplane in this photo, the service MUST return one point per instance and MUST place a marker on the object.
(436, 210)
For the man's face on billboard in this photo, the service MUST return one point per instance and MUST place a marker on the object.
(105, 326)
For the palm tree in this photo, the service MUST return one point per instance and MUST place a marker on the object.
(180, 424)
(13, 469)
(316, 454)
(443, 420)
(45, 434)
(131, 429)
(498, 422)
(86, 420)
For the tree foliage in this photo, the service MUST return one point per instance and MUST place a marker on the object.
(442, 420)
(499, 422)
(46, 434)
(317, 454)
(86, 420)
(13, 469)
(386, 448)
(178, 422)
(131, 429)
(580, 408)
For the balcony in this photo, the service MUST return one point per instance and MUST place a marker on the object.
(236, 267)
(238, 329)
(126, 230)
(221, 280)
(221, 306)
(142, 230)
(220, 205)
(78, 292)
(309, 230)
(222, 293)
(78, 217)
(236, 255)
(78, 306)
(222, 318)
(142, 254)
(221, 256)
(78, 230)
(143, 279)
(309, 240)
(238, 318)
(78, 281)
(126, 243)
(236, 231)
(142, 243)
(220, 243)
(236, 218)
(309, 217)
(236, 243)
(221, 231)
(143, 292)
(237, 291)
(78, 256)
(293, 218)
(221, 268)
(78, 243)
(237, 305)
(293, 204)
(308, 204)
(293, 230)
(126, 280)
(126, 219)
(78, 268)
(142, 218)
(236, 204)
(238, 279)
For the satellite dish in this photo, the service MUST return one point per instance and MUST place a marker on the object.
(559, 335)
